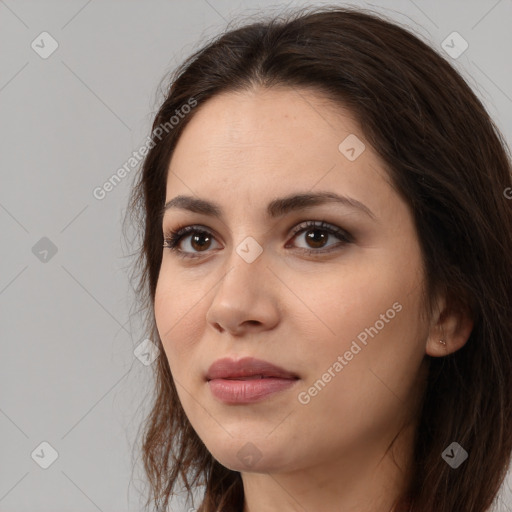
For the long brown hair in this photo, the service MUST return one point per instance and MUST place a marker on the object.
(448, 160)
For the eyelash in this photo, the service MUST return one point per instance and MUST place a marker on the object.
(172, 238)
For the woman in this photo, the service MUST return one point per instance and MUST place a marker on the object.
(326, 267)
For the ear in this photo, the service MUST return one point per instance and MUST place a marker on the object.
(453, 325)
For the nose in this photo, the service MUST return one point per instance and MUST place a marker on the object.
(246, 298)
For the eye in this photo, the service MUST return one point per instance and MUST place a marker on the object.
(201, 239)
(317, 233)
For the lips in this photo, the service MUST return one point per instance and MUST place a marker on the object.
(247, 368)
(247, 380)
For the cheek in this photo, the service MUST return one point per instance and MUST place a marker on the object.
(345, 301)
(176, 317)
(375, 305)
(380, 354)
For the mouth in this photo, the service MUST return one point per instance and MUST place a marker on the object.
(252, 377)
(245, 369)
(247, 380)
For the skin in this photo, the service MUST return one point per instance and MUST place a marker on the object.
(295, 310)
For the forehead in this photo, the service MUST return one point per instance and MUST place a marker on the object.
(270, 142)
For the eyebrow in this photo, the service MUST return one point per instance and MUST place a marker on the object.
(276, 208)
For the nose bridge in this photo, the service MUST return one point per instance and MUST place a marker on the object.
(245, 267)
(243, 295)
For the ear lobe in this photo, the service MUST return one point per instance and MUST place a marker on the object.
(454, 327)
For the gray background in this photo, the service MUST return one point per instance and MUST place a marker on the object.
(68, 373)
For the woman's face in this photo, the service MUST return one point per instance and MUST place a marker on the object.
(337, 307)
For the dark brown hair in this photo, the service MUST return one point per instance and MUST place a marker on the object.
(447, 159)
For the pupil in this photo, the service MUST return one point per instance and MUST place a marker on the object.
(195, 238)
(314, 239)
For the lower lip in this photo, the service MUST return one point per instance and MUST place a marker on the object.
(233, 391)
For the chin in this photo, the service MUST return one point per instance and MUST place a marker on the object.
(249, 455)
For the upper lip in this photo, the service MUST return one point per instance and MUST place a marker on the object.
(246, 367)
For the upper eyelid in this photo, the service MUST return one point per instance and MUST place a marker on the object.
(295, 228)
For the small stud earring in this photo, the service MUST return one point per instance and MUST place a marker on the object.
(442, 342)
